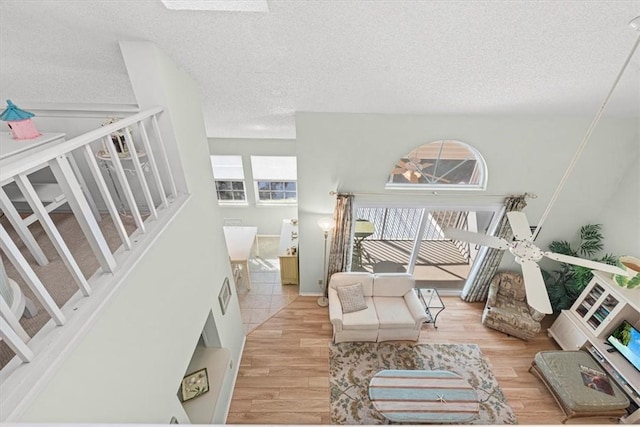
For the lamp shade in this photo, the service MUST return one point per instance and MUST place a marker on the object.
(364, 228)
(326, 224)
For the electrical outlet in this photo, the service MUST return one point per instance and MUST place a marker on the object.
(319, 281)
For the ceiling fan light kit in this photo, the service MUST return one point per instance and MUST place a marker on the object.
(526, 253)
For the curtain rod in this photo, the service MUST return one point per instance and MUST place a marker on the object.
(434, 193)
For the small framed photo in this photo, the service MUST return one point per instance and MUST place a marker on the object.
(225, 295)
(194, 385)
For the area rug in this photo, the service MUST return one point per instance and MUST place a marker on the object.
(351, 366)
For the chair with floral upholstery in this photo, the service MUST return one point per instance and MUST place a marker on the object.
(507, 309)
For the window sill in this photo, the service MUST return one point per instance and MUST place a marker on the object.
(233, 204)
(277, 205)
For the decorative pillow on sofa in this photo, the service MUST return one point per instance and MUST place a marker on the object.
(351, 297)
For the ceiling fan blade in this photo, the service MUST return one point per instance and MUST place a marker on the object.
(477, 238)
(594, 265)
(535, 288)
(519, 225)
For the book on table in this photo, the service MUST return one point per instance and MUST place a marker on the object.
(596, 380)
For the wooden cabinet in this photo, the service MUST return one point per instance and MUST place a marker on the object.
(288, 253)
(601, 307)
(289, 270)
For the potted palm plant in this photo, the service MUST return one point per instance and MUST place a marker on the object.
(565, 284)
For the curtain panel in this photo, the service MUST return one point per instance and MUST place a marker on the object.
(478, 288)
(341, 238)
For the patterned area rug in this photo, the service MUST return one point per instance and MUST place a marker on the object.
(351, 366)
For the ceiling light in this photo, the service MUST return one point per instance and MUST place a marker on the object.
(218, 5)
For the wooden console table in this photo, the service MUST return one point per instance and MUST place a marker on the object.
(288, 260)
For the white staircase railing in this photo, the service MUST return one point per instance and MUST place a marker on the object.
(77, 165)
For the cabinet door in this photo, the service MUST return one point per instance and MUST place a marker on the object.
(289, 270)
(597, 306)
(566, 333)
(588, 301)
(608, 306)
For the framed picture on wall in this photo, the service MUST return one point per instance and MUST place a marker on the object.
(225, 295)
(194, 385)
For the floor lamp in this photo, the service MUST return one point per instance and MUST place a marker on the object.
(326, 224)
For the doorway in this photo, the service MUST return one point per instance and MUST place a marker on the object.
(411, 239)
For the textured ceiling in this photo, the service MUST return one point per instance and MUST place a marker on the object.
(256, 69)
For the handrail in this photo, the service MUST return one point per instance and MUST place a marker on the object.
(33, 158)
(156, 192)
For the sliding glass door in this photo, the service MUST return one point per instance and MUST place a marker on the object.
(412, 239)
(392, 239)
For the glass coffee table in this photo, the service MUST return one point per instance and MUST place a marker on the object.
(432, 303)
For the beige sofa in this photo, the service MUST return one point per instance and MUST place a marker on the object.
(394, 311)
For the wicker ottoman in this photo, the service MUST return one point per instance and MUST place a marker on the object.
(561, 372)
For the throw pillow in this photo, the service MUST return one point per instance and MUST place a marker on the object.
(352, 298)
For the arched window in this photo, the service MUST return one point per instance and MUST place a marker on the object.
(444, 164)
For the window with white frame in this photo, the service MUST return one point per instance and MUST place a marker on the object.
(229, 178)
(444, 164)
(275, 179)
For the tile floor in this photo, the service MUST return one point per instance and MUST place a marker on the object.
(267, 295)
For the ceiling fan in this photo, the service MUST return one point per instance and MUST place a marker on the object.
(412, 171)
(526, 253)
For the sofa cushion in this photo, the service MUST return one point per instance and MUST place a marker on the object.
(349, 278)
(511, 285)
(517, 308)
(393, 313)
(361, 320)
(392, 284)
(351, 298)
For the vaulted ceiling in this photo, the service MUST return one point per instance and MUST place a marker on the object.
(256, 69)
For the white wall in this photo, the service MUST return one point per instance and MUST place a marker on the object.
(621, 213)
(355, 152)
(268, 219)
(128, 368)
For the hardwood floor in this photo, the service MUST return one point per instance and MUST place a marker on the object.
(283, 377)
